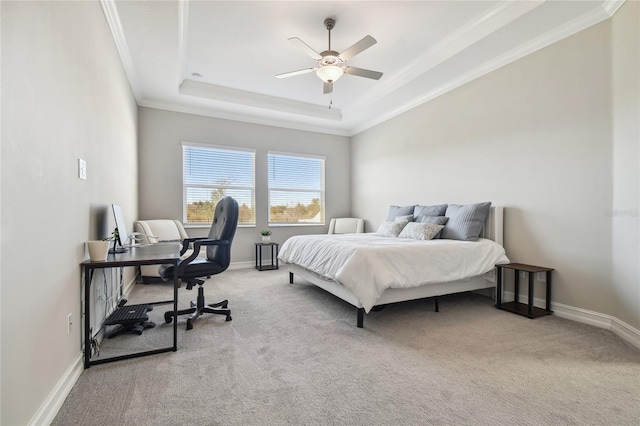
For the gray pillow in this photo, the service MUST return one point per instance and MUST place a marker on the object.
(420, 231)
(407, 218)
(436, 220)
(465, 221)
(395, 211)
(435, 210)
(391, 229)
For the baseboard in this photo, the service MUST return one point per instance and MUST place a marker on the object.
(613, 324)
(51, 405)
(242, 265)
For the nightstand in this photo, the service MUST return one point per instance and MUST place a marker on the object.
(274, 256)
(526, 309)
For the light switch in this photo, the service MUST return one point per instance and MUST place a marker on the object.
(82, 169)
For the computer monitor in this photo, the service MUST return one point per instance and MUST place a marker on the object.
(123, 236)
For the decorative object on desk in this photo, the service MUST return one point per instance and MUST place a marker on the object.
(98, 250)
(115, 237)
(266, 235)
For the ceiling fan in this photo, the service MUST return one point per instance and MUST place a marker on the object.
(331, 64)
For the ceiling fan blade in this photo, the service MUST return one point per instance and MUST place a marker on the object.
(363, 44)
(293, 73)
(328, 88)
(360, 72)
(304, 46)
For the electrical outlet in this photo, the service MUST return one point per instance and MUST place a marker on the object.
(69, 323)
(541, 276)
(523, 275)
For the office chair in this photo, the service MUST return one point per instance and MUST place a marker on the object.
(192, 269)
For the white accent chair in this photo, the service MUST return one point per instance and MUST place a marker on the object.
(156, 231)
(346, 225)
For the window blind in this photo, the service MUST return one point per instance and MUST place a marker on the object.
(210, 173)
(296, 189)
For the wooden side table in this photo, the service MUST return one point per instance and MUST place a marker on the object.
(526, 309)
(275, 247)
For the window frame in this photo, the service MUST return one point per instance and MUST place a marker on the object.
(185, 186)
(322, 190)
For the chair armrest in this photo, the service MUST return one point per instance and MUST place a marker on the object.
(197, 243)
(186, 243)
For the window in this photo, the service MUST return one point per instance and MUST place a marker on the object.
(212, 172)
(296, 189)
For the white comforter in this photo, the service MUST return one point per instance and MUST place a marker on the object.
(368, 264)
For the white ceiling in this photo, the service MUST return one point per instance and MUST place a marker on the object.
(219, 58)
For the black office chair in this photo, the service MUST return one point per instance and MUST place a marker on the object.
(192, 269)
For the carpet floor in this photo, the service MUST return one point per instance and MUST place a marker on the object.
(293, 356)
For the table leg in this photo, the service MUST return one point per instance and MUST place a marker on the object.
(516, 289)
(87, 317)
(548, 291)
(530, 308)
(498, 286)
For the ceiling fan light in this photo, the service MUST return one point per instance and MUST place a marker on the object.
(329, 73)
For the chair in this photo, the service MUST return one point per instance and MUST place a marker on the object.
(193, 268)
(346, 225)
(156, 231)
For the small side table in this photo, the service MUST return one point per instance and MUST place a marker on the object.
(528, 310)
(275, 247)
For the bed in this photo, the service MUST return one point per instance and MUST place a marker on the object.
(370, 271)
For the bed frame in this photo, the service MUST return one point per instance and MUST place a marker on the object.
(493, 229)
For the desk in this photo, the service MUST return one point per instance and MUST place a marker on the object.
(152, 254)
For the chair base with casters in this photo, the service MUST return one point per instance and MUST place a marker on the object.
(199, 307)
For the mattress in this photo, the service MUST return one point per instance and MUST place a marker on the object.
(368, 264)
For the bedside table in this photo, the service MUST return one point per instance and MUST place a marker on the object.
(274, 256)
(528, 310)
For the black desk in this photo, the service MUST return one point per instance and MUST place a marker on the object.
(152, 254)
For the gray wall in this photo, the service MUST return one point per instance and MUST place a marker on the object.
(625, 224)
(160, 137)
(536, 136)
(64, 96)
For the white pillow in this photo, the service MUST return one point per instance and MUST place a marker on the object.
(391, 229)
(420, 231)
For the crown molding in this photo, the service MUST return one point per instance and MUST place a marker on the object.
(242, 117)
(111, 14)
(257, 100)
(611, 6)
